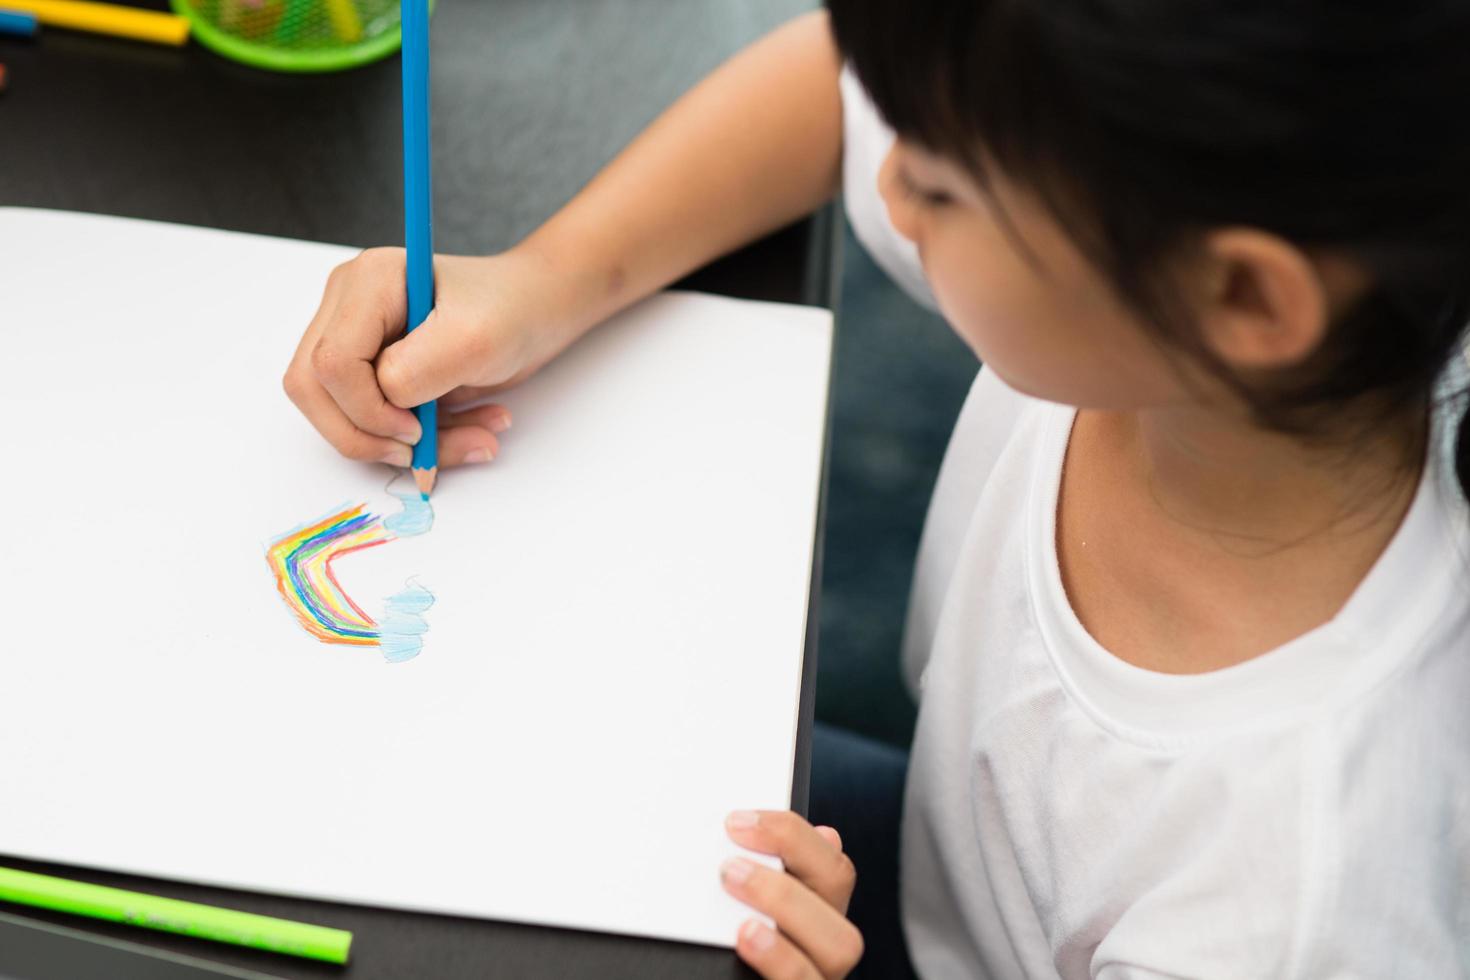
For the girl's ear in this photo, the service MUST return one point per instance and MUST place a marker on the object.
(1266, 305)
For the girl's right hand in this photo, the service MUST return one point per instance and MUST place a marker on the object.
(355, 375)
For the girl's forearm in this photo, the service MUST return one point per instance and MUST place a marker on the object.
(754, 146)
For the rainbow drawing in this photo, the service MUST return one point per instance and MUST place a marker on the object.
(301, 561)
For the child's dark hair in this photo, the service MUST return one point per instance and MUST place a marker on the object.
(1141, 123)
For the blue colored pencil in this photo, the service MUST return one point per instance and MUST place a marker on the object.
(418, 215)
(18, 23)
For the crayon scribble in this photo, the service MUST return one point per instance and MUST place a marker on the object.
(301, 561)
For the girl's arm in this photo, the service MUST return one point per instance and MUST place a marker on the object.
(753, 147)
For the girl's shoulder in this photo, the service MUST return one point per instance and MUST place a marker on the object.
(866, 140)
(1000, 437)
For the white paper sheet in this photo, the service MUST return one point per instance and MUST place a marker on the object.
(612, 664)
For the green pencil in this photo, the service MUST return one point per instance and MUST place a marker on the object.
(171, 915)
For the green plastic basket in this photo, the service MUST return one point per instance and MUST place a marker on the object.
(296, 35)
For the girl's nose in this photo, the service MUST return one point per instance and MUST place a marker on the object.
(902, 209)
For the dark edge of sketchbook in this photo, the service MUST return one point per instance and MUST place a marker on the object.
(820, 287)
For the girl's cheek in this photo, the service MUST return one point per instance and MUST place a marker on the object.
(973, 296)
(952, 297)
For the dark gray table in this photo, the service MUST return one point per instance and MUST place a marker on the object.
(531, 97)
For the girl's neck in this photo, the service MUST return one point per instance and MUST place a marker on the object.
(1257, 490)
(1188, 543)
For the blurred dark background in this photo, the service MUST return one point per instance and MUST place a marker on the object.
(900, 377)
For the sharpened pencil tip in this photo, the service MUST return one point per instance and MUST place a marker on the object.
(424, 480)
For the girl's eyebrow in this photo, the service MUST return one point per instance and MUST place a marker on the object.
(911, 182)
(924, 158)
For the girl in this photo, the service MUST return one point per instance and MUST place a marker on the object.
(1191, 616)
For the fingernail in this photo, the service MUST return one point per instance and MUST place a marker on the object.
(757, 936)
(481, 455)
(501, 422)
(398, 456)
(742, 819)
(736, 870)
(412, 436)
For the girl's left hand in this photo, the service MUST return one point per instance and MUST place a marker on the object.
(808, 900)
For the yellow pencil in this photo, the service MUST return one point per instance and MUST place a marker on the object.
(107, 18)
(345, 22)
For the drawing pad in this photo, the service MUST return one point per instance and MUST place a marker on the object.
(611, 664)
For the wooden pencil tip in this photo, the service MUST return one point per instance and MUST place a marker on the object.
(424, 480)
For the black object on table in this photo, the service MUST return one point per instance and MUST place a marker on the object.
(531, 97)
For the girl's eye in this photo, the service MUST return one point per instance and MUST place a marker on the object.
(922, 195)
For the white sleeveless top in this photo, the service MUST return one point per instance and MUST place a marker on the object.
(1303, 814)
